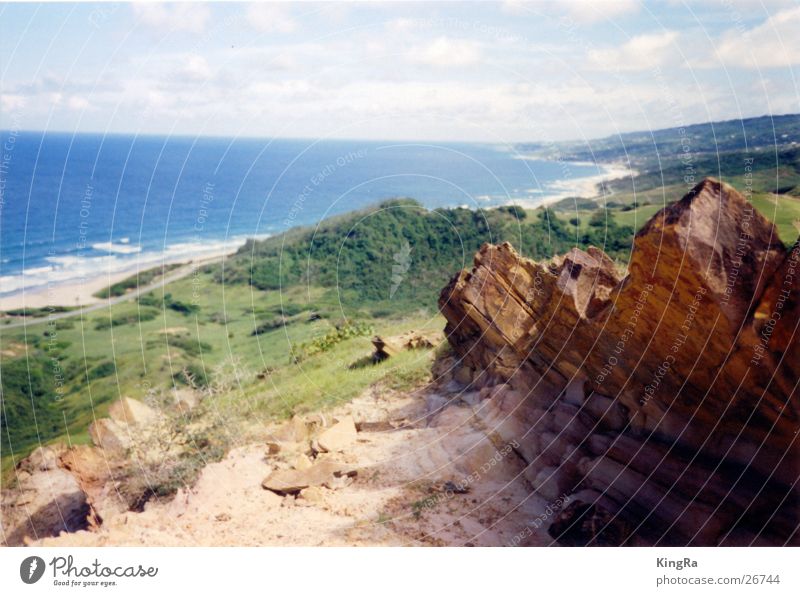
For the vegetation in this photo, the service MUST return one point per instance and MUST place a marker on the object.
(397, 256)
(34, 312)
(335, 336)
(30, 408)
(127, 316)
(141, 278)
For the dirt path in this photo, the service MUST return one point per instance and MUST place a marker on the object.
(400, 496)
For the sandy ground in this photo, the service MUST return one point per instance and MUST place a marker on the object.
(80, 293)
(399, 496)
(69, 294)
(585, 187)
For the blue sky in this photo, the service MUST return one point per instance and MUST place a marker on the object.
(498, 72)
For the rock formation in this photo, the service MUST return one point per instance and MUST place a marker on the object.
(665, 402)
(46, 500)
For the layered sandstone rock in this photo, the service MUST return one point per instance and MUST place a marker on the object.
(666, 400)
(45, 499)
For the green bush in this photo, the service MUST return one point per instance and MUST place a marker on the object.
(276, 323)
(192, 374)
(142, 278)
(333, 337)
(30, 412)
(130, 317)
(190, 345)
(104, 369)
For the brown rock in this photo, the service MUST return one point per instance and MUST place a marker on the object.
(293, 481)
(109, 435)
(294, 430)
(42, 459)
(45, 503)
(301, 462)
(388, 346)
(339, 436)
(694, 355)
(132, 412)
(312, 494)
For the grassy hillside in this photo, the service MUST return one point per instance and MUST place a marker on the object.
(397, 256)
(57, 377)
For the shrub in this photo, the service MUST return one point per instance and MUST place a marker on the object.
(192, 374)
(104, 369)
(126, 318)
(192, 346)
(275, 323)
(141, 278)
(334, 337)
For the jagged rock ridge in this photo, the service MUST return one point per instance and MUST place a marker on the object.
(664, 402)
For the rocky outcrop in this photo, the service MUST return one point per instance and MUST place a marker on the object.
(664, 401)
(45, 501)
(388, 346)
(58, 489)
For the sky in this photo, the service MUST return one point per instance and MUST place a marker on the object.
(490, 72)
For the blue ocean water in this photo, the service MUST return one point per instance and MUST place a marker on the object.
(74, 206)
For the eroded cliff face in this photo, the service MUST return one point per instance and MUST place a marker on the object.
(664, 402)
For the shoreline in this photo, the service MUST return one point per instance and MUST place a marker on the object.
(81, 292)
(584, 187)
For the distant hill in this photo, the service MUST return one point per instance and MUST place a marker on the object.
(761, 153)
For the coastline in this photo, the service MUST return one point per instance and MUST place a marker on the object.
(583, 187)
(81, 292)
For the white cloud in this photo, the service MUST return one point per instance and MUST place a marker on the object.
(196, 68)
(77, 103)
(185, 16)
(270, 18)
(639, 53)
(446, 52)
(581, 11)
(774, 43)
(10, 102)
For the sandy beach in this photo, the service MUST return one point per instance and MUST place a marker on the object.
(81, 292)
(583, 187)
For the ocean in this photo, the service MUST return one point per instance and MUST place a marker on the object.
(77, 206)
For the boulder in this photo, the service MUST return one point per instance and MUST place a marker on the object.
(388, 346)
(312, 494)
(109, 435)
(42, 458)
(45, 502)
(294, 430)
(132, 412)
(339, 436)
(323, 473)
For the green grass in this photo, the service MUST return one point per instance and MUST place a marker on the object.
(783, 211)
(151, 351)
